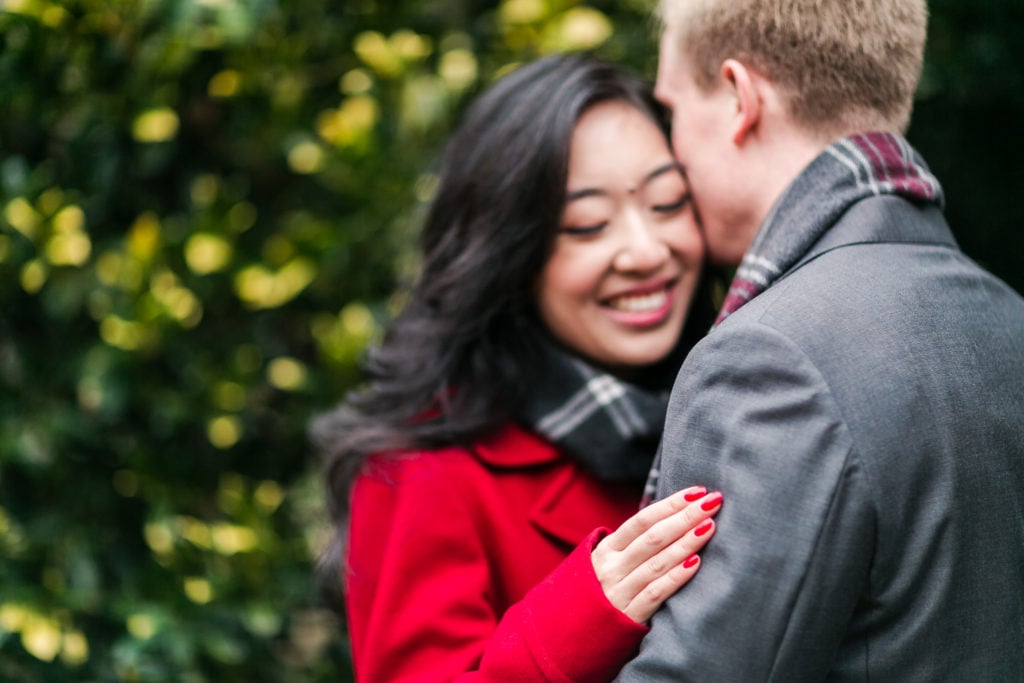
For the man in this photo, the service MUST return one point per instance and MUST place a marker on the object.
(860, 401)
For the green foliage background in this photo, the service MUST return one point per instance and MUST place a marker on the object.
(205, 206)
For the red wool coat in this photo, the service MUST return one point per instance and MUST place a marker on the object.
(461, 566)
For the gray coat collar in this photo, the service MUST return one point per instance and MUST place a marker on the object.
(883, 219)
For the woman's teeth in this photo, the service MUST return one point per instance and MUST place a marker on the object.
(639, 304)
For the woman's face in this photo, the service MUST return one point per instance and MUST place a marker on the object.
(628, 253)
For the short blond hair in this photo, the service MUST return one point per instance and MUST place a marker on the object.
(842, 64)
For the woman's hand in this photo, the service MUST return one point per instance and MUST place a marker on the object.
(651, 556)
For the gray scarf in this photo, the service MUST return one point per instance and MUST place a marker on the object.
(609, 425)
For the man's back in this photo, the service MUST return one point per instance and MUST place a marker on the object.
(924, 355)
(865, 418)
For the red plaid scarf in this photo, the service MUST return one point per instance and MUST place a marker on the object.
(850, 169)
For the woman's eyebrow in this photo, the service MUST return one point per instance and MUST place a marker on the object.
(595, 192)
(580, 194)
(661, 170)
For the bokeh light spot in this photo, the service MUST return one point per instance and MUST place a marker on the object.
(22, 217)
(224, 431)
(231, 539)
(68, 249)
(207, 253)
(204, 189)
(259, 287)
(40, 636)
(120, 333)
(356, 319)
(410, 45)
(355, 82)
(144, 236)
(523, 11)
(286, 374)
(268, 495)
(306, 157)
(33, 276)
(225, 83)
(198, 590)
(141, 626)
(155, 125)
(53, 16)
(580, 28)
(159, 538)
(229, 396)
(242, 216)
(458, 68)
(75, 650)
(69, 219)
(377, 53)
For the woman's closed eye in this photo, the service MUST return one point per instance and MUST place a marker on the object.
(583, 230)
(672, 207)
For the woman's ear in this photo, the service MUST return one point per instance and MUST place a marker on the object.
(749, 105)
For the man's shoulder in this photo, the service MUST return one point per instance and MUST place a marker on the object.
(882, 325)
(864, 287)
(874, 309)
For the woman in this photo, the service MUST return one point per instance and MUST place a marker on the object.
(515, 404)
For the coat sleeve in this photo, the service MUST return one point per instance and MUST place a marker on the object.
(753, 417)
(421, 598)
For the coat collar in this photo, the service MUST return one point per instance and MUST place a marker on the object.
(884, 220)
(513, 447)
(573, 505)
(566, 509)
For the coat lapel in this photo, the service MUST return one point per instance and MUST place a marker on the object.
(572, 504)
(567, 509)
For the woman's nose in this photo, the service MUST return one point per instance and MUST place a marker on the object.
(643, 249)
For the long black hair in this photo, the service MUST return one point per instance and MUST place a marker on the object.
(459, 357)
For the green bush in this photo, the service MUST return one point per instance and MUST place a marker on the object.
(205, 206)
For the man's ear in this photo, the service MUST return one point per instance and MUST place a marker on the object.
(748, 99)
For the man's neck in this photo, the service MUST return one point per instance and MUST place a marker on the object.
(784, 156)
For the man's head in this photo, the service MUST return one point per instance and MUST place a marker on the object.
(760, 87)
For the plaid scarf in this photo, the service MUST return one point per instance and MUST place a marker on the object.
(611, 426)
(851, 169)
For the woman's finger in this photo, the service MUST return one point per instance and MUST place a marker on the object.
(643, 606)
(617, 570)
(636, 525)
(650, 572)
(666, 531)
(611, 560)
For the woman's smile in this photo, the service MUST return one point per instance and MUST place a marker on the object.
(644, 306)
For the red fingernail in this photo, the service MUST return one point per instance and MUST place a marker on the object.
(711, 503)
(704, 527)
(690, 561)
(694, 493)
